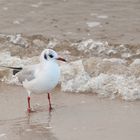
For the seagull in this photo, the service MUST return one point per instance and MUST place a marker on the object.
(41, 77)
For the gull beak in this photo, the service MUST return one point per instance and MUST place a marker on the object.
(61, 59)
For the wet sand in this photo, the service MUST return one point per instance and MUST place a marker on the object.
(75, 117)
(114, 21)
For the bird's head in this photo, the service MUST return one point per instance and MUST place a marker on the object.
(50, 55)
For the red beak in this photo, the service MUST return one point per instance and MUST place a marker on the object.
(61, 59)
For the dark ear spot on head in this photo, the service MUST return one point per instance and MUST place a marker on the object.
(45, 56)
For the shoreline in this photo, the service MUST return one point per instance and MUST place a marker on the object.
(76, 116)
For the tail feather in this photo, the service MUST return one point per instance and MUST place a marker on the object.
(15, 69)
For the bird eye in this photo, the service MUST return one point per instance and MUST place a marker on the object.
(50, 55)
(45, 56)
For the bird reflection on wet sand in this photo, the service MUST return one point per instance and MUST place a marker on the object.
(36, 126)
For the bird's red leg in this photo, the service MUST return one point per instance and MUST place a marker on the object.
(29, 107)
(28, 100)
(49, 99)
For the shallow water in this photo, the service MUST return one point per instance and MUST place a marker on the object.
(74, 117)
(91, 31)
(67, 19)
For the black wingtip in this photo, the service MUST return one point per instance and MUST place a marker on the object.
(15, 69)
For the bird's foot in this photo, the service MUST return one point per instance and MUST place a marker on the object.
(29, 110)
(51, 109)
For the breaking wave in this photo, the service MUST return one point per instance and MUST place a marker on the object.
(93, 66)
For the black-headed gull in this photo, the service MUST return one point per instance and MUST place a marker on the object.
(42, 77)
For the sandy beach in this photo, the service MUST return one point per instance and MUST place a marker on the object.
(100, 40)
(113, 21)
(75, 117)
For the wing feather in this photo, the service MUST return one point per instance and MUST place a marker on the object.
(27, 73)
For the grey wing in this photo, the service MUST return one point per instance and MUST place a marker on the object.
(27, 73)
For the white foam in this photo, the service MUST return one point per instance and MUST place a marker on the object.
(28, 130)
(37, 5)
(91, 46)
(7, 60)
(115, 60)
(16, 22)
(2, 135)
(18, 40)
(73, 76)
(135, 62)
(102, 16)
(93, 24)
(52, 43)
(5, 8)
(76, 79)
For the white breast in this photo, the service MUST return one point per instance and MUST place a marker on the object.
(46, 78)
